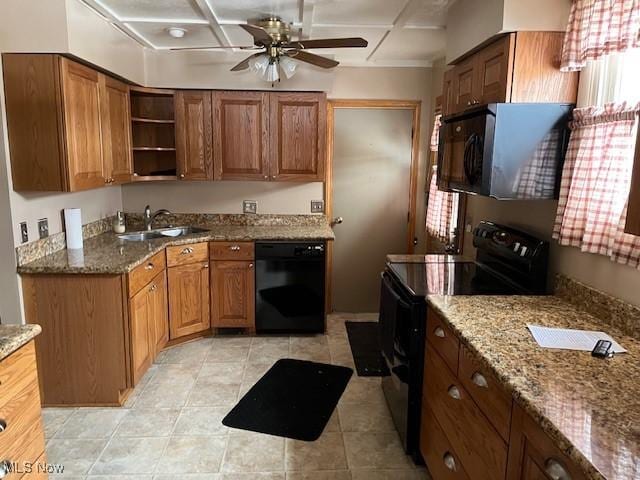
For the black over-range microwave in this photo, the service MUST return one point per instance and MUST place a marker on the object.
(504, 150)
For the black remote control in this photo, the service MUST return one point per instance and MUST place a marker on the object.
(602, 349)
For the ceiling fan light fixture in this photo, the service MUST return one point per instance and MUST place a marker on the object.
(288, 66)
(259, 64)
(271, 73)
(177, 32)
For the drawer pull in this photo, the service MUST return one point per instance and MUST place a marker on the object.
(478, 379)
(555, 470)
(454, 392)
(148, 266)
(3, 425)
(5, 468)
(251, 265)
(153, 288)
(206, 265)
(234, 248)
(450, 462)
(186, 251)
(439, 332)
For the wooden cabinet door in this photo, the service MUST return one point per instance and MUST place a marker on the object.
(140, 316)
(233, 294)
(464, 85)
(494, 64)
(116, 130)
(159, 321)
(532, 453)
(188, 299)
(298, 135)
(83, 136)
(241, 135)
(448, 106)
(194, 135)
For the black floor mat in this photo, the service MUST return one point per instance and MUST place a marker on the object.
(364, 338)
(294, 399)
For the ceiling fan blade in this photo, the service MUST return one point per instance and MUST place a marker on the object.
(355, 42)
(243, 65)
(259, 34)
(316, 60)
(243, 47)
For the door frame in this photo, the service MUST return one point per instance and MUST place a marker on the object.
(332, 104)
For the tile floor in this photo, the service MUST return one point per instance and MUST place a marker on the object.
(171, 425)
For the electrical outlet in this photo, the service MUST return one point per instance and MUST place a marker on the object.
(43, 228)
(250, 206)
(24, 232)
(317, 206)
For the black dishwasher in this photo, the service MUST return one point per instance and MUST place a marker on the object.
(290, 287)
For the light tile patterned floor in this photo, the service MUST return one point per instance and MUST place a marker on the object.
(171, 426)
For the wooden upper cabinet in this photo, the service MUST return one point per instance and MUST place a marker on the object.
(194, 135)
(633, 211)
(241, 135)
(82, 125)
(516, 67)
(188, 299)
(233, 294)
(116, 130)
(298, 136)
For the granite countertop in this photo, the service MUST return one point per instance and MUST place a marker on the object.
(12, 337)
(107, 254)
(590, 407)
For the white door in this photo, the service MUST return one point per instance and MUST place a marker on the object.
(371, 183)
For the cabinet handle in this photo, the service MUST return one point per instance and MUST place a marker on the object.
(206, 265)
(153, 288)
(234, 248)
(149, 266)
(555, 470)
(186, 251)
(273, 177)
(3, 425)
(181, 175)
(454, 392)
(439, 332)
(5, 468)
(479, 379)
(251, 265)
(266, 177)
(449, 462)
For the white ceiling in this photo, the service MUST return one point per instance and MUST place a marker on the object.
(399, 32)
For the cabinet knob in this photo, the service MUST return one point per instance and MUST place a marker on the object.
(181, 175)
(186, 251)
(454, 392)
(5, 468)
(478, 379)
(3, 425)
(153, 288)
(439, 332)
(273, 177)
(251, 265)
(449, 462)
(148, 266)
(266, 177)
(206, 265)
(555, 470)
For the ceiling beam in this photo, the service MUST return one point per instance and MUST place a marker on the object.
(306, 18)
(110, 16)
(207, 11)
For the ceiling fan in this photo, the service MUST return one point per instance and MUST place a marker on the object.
(276, 52)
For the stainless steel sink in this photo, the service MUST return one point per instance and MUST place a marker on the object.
(156, 233)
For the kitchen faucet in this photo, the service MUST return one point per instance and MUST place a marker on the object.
(149, 217)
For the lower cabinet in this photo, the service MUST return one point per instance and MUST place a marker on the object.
(232, 294)
(188, 299)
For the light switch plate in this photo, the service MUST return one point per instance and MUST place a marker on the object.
(250, 206)
(24, 232)
(43, 228)
(317, 206)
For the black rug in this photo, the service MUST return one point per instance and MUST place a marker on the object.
(294, 399)
(364, 338)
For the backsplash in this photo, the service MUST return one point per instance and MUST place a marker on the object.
(617, 313)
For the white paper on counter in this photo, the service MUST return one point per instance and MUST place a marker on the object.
(568, 339)
(73, 228)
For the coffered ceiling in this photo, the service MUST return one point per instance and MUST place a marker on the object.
(399, 32)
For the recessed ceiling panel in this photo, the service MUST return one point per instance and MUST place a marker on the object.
(357, 12)
(241, 11)
(427, 13)
(372, 35)
(157, 34)
(411, 44)
(150, 9)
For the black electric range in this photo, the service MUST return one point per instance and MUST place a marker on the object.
(508, 262)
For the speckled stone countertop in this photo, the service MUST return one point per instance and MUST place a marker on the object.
(106, 254)
(590, 407)
(12, 337)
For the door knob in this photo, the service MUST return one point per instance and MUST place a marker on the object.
(337, 221)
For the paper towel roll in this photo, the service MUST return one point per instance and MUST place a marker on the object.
(73, 227)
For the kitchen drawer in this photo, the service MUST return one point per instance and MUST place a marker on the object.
(443, 340)
(25, 450)
(184, 254)
(480, 448)
(436, 450)
(488, 394)
(144, 273)
(231, 250)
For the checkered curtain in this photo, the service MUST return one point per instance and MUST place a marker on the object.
(597, 28)
(442, 207)
(596, 178)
